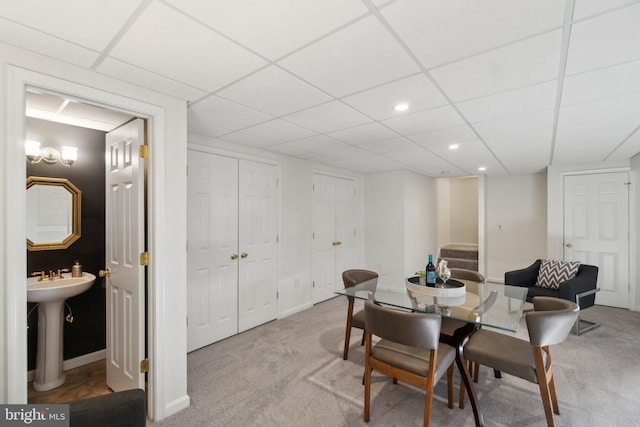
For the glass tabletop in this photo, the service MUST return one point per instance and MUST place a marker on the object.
(488, 304)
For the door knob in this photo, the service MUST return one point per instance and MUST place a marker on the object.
(569, 245)
(105, 273)
(243, 255)
(337, 243)
(234, 256)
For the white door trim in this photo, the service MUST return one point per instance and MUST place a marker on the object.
(18, 79)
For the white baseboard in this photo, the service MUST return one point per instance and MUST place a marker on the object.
(498, 280)
(75, 362)
(176, 406)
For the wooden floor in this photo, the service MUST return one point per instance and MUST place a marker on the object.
(84, 381)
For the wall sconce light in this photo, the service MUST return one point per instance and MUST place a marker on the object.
(50, 155)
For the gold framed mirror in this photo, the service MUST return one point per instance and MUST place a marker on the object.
(53, 213)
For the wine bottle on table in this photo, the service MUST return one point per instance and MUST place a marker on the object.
(431, 272)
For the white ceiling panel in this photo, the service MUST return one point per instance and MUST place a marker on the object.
(220, 112)
(572, 151)
(607, 82)
(527, 152)
(184, 50)
(358, 57)
(347, 153)
(248, 140)
(618, 128)
(629, 148)
(441, 31)
(318, 143)
(618, 106)
(605, 40)
(317, 157)
(88, 23)
(274, 91)
(364, 133)
(427, 163)
(277, 131)
(328, 117)
(512, 103)
(417, 91)
(444, 136)
(585, 8)
(528, 62)
(516, 124)
(470, 155)
(129, 73)
(377, 163)
(425, 121)
(206, 129)
(389, 146)
(287, 149)
(273, 28)
(35, 41)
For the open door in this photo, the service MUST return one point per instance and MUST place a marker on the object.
(125, 244)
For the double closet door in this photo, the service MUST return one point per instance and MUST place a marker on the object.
(334, 232)
(232, 246)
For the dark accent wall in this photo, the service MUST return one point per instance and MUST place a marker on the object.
(87, 332)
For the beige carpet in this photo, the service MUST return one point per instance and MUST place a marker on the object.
(290, 373)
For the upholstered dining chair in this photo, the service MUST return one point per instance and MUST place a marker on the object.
(409, 351)
(352, 278)
(549, 324)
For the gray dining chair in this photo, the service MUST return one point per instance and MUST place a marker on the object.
(352, 278)
(409, 351)
(549, 324)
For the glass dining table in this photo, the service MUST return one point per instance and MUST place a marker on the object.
(478, 304)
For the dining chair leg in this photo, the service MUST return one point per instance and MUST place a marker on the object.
(367, 377)
(347, 334)
(543, 382)
(450, 386)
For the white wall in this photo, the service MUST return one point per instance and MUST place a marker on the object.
(515, 222)
(296, 218)
(168, 387)
(420, 221)
(464, 210)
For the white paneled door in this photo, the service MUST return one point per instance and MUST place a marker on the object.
(596, 230)
(124, 244)
(212, 274)
(333, 233)
(233, 214)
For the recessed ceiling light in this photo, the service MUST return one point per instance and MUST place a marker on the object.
(401, 107)
(482, 169)
(453, 147)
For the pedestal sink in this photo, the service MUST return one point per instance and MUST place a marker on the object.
(50, 296)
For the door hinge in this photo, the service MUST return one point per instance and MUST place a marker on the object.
(144, 366)
(144, 151)
(144, 258)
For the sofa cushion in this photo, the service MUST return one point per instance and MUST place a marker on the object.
(552, 273)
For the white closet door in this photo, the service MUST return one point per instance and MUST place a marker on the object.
(258, 244)
(345, 205)
(323, 268)
(212, 278)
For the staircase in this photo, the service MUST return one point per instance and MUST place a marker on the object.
(460, 255)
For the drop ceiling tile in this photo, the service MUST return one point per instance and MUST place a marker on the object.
(629, 148)
(392, 145)
(273, 28)
(316, 157)
(516, 124)
(512, 103)
(274, 91)
(441, 31)
(444, 136)
(364, 133)
(377, 163)
(220, 112)
(606, 108)
(588, 149)
(245, 139)
(523, 153)
(328, 117)
(426, 163)
(277, 131)
(131, 74)
(347, 153)
(605, 40)
(183, 50)
(287, 149)
(416, 91)
(469, 156)
(88, 23)
(525, 63)
(618, 127)
(206, 129)
(35, 41)
(425, 121)
(584, 8)
(318, 143)
(607, 82)
(357, 57)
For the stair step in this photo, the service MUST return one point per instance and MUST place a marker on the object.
(467, 264)
(459, 254)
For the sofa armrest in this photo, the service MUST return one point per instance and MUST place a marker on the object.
(586, 279)
(123, 408)
(524, 277)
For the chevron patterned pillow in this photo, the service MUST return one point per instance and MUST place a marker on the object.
(552, 273)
